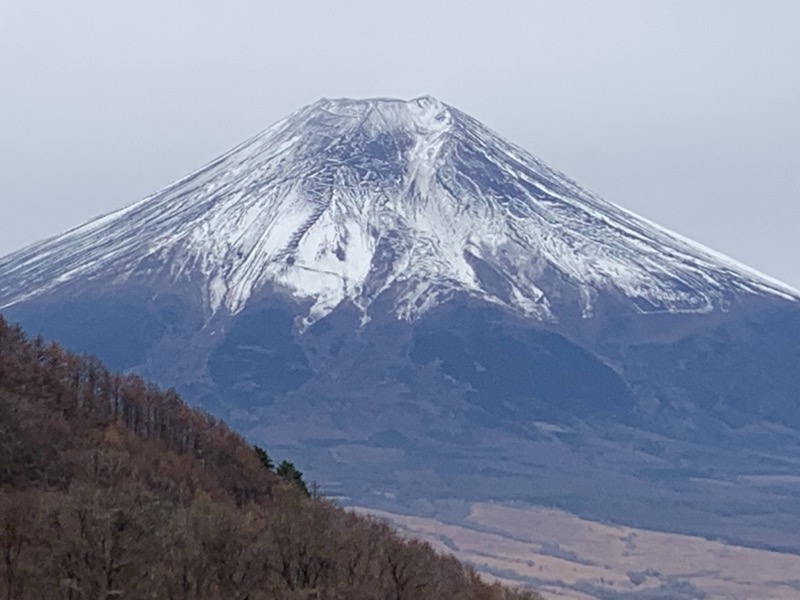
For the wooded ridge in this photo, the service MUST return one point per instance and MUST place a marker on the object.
(113, 488)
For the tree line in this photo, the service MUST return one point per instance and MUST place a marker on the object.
(111, 488)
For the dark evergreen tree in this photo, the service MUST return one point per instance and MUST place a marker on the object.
(264, 458)
(288, 472)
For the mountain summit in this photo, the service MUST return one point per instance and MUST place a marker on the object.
(347, 200)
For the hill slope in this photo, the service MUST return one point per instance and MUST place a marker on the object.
(112, 488)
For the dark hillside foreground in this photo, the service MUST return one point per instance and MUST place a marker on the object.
(113, 488)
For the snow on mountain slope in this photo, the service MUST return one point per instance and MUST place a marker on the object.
(347, 199)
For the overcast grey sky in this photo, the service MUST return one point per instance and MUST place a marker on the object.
(686, 112)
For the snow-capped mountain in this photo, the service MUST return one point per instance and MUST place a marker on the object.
(413, 308)
(349, 199)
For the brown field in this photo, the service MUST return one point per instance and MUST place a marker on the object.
(566, 557)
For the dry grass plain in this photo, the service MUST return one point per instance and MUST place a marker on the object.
(566, 557)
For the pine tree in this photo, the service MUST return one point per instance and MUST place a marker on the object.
(288, 472)
(264, 458)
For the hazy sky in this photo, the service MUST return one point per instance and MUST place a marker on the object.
(685, 112)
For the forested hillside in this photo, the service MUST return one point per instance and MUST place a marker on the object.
(113, 488)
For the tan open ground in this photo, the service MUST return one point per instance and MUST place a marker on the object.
(567, 557)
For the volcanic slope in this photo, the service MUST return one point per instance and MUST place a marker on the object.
(345, 199)
(423, 314)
